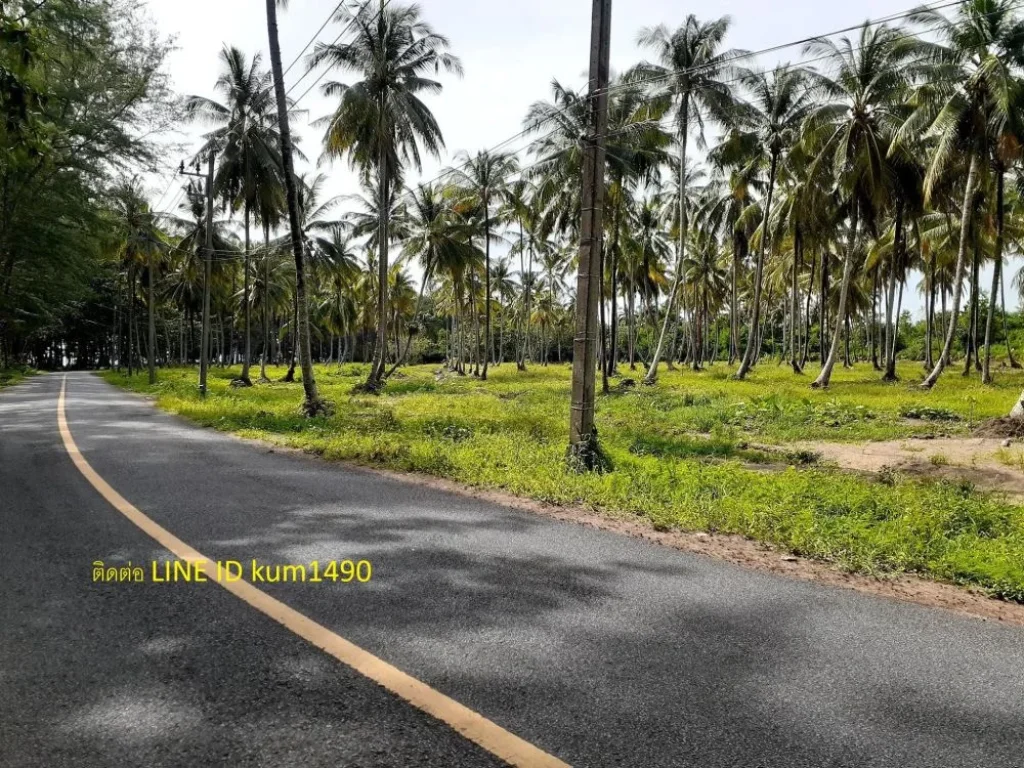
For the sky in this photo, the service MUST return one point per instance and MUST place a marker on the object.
(510, 53)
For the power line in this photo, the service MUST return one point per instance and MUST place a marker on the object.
(313, 38)
(745, 55)
(803, 64)
(561, 111)
(294, 61)
(741, 56)
(341, 34)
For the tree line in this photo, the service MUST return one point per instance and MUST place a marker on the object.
(750, 213)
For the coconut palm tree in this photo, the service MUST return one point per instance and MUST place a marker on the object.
(646, 253)
(851, 134)
(485, 175)
(505, 288)
(768, 125)
(519, 207)
(138, 243)
(249, 159)
(692, 71)
(635, 151)
(970, 95)
(381, 122)
(312, 405)
(435, 236)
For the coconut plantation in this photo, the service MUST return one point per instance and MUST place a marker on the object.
(684, 313)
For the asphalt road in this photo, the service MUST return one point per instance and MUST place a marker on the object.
(599, 649)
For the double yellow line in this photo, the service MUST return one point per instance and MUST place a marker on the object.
(475, 727)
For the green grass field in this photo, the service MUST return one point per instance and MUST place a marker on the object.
(10, 376)
(685, 453)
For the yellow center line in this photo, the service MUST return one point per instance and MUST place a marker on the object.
(475, 727)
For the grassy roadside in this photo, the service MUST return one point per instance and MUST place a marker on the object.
(679, 453)
(9, 376)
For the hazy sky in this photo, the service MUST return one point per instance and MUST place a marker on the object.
(510, 52)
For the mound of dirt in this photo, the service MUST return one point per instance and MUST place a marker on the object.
(1001, 427)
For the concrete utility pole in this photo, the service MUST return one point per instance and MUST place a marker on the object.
(582, 433)
(151, 361)
(204, 355)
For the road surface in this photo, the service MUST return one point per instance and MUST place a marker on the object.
(591, 648)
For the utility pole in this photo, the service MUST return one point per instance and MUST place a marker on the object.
(204, 361)
(204, 346)
(151, 362)
(583, 448)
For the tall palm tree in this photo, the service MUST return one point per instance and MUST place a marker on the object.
(312, 404)
(486, 174)
(851, 135)
(435, 236)
(769, 125)
(519, 208)
(635, 151)
(505, 287)
(248, 143)
(647, 252)
(381, 121)
(138, 244)
(969, 97)
(691, 69)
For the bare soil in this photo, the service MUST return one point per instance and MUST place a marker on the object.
(987, 462)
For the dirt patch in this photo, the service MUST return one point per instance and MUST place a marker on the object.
(1004, 427)
(986, 462)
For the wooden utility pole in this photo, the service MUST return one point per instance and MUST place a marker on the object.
(204, 355)
(583, 449)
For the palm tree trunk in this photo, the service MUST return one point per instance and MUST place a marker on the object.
(734, 330)
(997, 270)
(971, 343)
(807, 316)
(151, 354)
(266, 305)
(525, 341)
(873, 325)
(929, 313)
(247, 358)
(890, 365)
(749, 354)
(684, 129)
(375, 379)
(613, 361)
(499, 355)
(603, 341)
(312, 404)
(890, 336)
(826, 370)
(487, 286)
(794, 312)
(476, 329)
(290, 374)
(958, 278)
(823, 307)
(131, 319)
(1006, 327)
(631, 329)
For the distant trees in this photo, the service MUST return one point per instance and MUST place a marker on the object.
(65, 142)
(832, 184)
